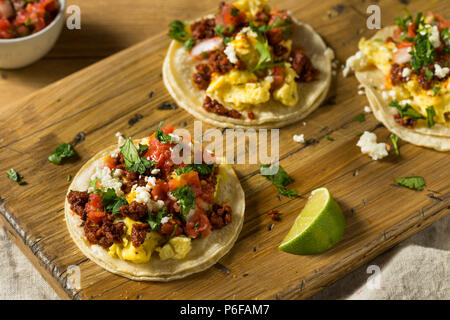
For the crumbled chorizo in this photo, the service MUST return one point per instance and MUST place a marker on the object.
(168, 227)
(106, 233)
(406, 122)
(135, 210)
(202, 76)
(302, 66)
(203, 29)
(77, 201)
(139, 233)
(396, 74)
(220, 216)
(214, 106)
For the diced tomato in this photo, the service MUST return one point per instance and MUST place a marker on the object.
(278, 77)
(198, 225)
(412, 30)
(94, 208)
(230, 16)
(160, 152)
(441, 22)
(405, 44)
(160, 190)
(110, 162)
(190, 178)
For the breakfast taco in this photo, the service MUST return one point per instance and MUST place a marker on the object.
(247, 65)
(135, 212)
(405, 70)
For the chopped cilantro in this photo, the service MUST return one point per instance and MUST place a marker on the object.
(406, 110)
(177, 32)
(423, 53)
(186, 198)
(329, 138)
(280, 180)
(15, 176)
(203, 169)
(69, 177)
(234, 12)
(133, 161)
(161, 136)
(445, 34)
(360, 118)
(431, 113)
(394, 140)
(220, 29)
(64, 150)
(436, 90)
(111, 202)
(415, 183)
(429, 74)
(154, 220)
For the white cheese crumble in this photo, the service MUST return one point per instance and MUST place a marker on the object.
(299, 138)
(174, 138)
(106, 180)
(440, 72)
(367, 109)
(150, 180)
(406, 72)
(117, 173)
(434, 37)
(389, 94)
(231, 53)
(249, 32)
(155, 171)
(120, 139)
(355, 62)
(368, 144)
(165, 219)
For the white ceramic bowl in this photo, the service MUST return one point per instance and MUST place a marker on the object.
(21, 52)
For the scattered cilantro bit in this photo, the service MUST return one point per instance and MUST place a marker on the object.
(445, 34)
(161, 136)
(154, 220)
(280, 180)
(360, 118)
(177, 32)
(415, 183)
(186, 198)
(329, 138)
(358, 134)
(15, 176)
(431, 113)
(394, 140)
(173, 232)
(406, 110)
(220, 29)
(234, 12)
(111, 202)
(423, 53)
(69, 177)
(429, 74)
(203, 169)
(436, 90)
(403, 22)
(64, 150)
(133, 161)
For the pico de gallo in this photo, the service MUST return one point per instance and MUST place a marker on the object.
(245, 56)
(139, 201)
(21, 18)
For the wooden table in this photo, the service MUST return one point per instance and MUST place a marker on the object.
(110, 26)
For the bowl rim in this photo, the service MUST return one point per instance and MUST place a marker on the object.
(58, 17)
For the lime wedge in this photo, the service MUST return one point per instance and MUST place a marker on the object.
(317, 228)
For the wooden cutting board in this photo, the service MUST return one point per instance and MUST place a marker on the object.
(100, 100)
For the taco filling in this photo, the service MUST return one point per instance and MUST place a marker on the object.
(244, 57)
(139, 202)
(415, 62)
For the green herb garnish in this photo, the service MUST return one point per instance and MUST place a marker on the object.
(186, 198)
(415, 183)
(394, 140)
(329, 138)
(154, 221)
(178, 32)
(280, 180)
(111, 202)
(63, 151)
(161, 136)
(360, 118)
(133, 161)
(436, 90)
(203, 169)
(15, 176)
(406, 110)
(431, 113)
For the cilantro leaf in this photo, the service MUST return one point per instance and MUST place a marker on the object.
(64, 150)
(406, 110)
(133, 161)
(177, 32)
(203, 169)
(431, 113)
(423, 53)
(15, 176)
(436, 90)
(186, 198)
(154, 220)
(415, 183)
(280, 180)
(394, 140)
(111, 202)
(360, 118)
(161, 136)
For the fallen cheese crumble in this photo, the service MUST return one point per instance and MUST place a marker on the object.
(299, 138)
(368, 144)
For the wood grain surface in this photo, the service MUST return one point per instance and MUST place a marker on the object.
(101, 99)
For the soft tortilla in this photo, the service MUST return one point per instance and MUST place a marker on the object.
(204, 253)
(437, 137)
(178, 69)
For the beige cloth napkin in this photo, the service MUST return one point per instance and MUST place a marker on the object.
(418, 268)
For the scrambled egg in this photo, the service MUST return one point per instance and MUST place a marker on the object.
(176, 248)
(250, 7)
(287, 94)
(240, 89)
(180, 246)
(380, 54)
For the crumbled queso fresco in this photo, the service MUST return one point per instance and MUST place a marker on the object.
(299, 138)
(368, 144)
